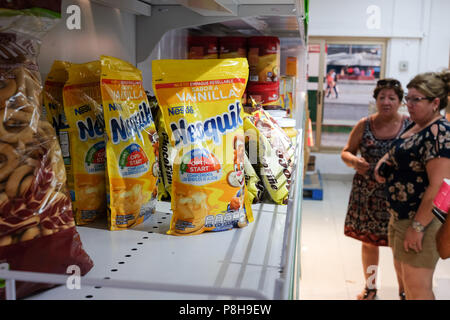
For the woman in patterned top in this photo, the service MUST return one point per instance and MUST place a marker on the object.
(367, 217)
(420, 160)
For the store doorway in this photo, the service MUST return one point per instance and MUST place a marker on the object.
(342, 95)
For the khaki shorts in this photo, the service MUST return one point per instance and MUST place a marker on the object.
(429, 255)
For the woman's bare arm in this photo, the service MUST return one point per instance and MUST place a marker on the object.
(349, 153)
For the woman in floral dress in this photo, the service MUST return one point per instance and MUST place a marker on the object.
(367, 216)
(420, 159)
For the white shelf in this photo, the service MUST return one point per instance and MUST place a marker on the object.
(259, 261)
(262, 258)
(247, 258)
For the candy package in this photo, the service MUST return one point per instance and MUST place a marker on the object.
(275, 153)
(254, 184)
(156, 112)
(167, 155)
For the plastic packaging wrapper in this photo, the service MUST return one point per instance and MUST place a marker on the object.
(37, 229)
(202, 113)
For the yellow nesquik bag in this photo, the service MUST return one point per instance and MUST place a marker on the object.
(53, 94)
(85, 166)
(54, 104)
(200, 101)
(131, 145)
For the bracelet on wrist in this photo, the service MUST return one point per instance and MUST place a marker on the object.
(417, 226)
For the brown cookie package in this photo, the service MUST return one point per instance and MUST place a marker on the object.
(37, 230)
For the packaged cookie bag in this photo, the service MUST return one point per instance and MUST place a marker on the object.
(37, 229)
(200, 102)
(254, 185)
(167, 155)
(85, 164)
(131, 145)
(275, 153)
(163, 194)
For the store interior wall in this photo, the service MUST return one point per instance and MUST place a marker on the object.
(331, 166)
(417, 31)
(103, 30)
(173, 45)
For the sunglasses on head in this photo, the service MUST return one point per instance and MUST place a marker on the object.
(388, 83)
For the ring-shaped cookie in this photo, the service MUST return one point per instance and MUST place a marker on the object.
(28, 83)
(12, 160)
(7, 116)
(33, 89)
(19, 73)
(15, 180)
(45, 130)
(30, 234)
(26, 184)
(20, 102)
(3, 198)
(7, 90)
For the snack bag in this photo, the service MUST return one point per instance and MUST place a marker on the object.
(254, 185)
(37, 229)
(86, 164)
(162, 192)
(275, 154)
(202, 114)
(131, 147)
